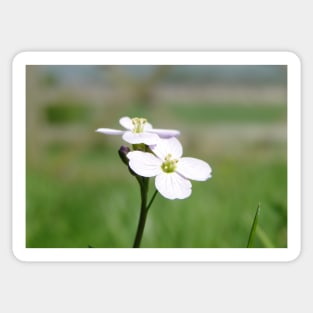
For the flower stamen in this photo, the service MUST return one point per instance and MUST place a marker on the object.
(139, 125)
(169, 165)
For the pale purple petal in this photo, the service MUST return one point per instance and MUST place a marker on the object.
(144, 163)
(108, 131)
(126, 122)
(194, 169)
(136, 138)
(165, 147)
(173, 186)
(165, 133)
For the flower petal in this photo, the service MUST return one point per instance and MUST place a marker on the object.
(126, 122)
(168, 146)
(135, 138)
(165, 133)
(144, 163)
(108, 131)
(172, 186)
(147, 127)
(194, 169)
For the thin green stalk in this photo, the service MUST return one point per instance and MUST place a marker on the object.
(152, 199)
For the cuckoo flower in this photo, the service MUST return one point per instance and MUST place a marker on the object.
(172, 171)
(138, 130)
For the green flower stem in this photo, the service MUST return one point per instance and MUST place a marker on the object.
(144, 208)
(144, 184)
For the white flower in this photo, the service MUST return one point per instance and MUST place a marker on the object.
(138, 130)
(172, 171)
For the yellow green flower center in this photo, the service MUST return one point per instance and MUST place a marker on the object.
(138, 124)
(169, 165)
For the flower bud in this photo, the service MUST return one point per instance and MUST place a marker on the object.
(122, 152)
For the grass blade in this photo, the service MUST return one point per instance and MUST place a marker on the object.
(253, 228)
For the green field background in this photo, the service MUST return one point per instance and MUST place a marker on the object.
(79, 193)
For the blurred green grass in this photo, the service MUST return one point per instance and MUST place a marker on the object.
(83, 195)
(104, 213)
(215, 113)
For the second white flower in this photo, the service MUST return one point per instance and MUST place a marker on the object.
(172, 171)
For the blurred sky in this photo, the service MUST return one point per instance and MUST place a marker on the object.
(244, 74)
